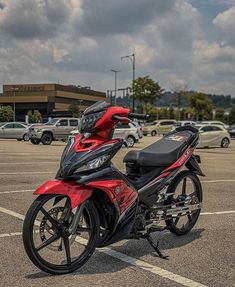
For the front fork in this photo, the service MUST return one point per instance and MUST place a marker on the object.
(73, 227)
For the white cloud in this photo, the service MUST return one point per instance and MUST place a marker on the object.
(225, 26)
(75, 41)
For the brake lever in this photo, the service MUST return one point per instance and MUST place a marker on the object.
(121, 118)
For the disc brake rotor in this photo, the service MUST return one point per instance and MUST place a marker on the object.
(46, 230)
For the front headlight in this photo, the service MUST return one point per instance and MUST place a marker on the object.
(88, 121)
(93, 164)
(36, 130)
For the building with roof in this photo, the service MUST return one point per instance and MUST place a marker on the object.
(50, 99)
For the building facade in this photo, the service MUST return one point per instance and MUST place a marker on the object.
(50, 99)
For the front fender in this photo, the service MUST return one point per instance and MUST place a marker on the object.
(76, 193)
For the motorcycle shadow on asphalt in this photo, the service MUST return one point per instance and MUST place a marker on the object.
(99, 263)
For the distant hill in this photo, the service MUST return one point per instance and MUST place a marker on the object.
(170, 99)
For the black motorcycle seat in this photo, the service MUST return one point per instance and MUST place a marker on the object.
(163, 152)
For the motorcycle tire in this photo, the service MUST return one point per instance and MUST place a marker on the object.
(198, 191)
(31, 250)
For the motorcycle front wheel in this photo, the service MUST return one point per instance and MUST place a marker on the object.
(45, 240)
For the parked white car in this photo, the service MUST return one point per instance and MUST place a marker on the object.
(14, 130)
(184, 123)
(139, 129)
(128, 132)
(219, 123)
(213, 135)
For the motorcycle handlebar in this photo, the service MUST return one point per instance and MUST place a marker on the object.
(138, 116)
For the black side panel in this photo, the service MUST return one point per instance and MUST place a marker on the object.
(149, 195)
(125, 225)
(106, 173)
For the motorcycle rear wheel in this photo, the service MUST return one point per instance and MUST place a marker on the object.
(37, 254)
(182, 177)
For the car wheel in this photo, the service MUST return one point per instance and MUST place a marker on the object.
(26, 137)
(35, 141)
(47, 139)
(130, 141)
(153, 133)
(225, 142)
(19, 140)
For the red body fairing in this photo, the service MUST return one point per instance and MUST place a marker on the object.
(92, 142)
(116, 190)
(106, 123)
(182, 160)
(76, 193)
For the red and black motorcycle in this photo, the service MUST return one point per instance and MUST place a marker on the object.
(92, 204)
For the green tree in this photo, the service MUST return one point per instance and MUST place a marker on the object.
(181, 93)
(171, 112)
(6, 114)
(74, 109)
(37, 117)
(201, 104)
(152, 112)
(232, 116)
(219, 114)
(163, 113)
(30, 115)
(147, 91)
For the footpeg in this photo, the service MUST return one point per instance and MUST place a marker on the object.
(155, 246)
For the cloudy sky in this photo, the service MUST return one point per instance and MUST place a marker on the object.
(176, 42)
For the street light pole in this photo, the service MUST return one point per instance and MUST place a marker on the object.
(132, 58)
(14, 103)
(115, 83)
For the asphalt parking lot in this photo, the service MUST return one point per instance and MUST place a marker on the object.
(204, 257)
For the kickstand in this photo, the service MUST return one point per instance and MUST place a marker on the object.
(155, 246)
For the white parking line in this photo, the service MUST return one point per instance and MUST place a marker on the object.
(17, 191)
(12, 213)
(31, 155)
(10, 234)
(152, 268)
(128, 259)
(125, 258)
(29, 162)
(218, 212)
(218, 180)
(28, 172)
(15, 153)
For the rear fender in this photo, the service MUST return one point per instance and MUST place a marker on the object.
(193, 164)
(76, 193)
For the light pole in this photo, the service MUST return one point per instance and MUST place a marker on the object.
(132, 58)
(80, 105)
(115, 83)
(14, 102)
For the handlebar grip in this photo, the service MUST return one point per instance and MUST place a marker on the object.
(138, 116)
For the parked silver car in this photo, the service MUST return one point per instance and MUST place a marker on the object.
(14, 130)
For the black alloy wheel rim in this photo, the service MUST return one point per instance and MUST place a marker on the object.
(191, 216)
(60, 233)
